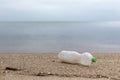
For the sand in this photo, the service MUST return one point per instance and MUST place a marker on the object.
(49, 67)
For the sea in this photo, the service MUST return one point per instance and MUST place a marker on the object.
(52, 37)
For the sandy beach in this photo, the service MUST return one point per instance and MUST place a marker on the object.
(49, 67)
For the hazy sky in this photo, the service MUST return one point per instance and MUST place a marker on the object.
(59, 10)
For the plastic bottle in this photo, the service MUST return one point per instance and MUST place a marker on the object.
(75, 57)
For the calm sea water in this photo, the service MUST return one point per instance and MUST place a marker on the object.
(37, 37)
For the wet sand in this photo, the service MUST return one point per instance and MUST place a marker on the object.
(49, 67)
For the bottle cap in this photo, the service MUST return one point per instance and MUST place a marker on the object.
(94, 59)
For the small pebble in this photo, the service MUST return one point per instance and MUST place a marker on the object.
(1, 62)
(53, 60)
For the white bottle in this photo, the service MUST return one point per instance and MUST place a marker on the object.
(75, 57)
(69, 56)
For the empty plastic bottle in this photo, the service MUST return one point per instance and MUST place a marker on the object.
(75, 57)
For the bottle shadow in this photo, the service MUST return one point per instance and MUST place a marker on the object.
(74, 64)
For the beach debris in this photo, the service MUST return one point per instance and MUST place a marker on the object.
(12, 69)
(101, 76)
(41, 74)
(44, 74)
(74, 57)
(55, 74)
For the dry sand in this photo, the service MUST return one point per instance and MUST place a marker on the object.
(49, 67)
